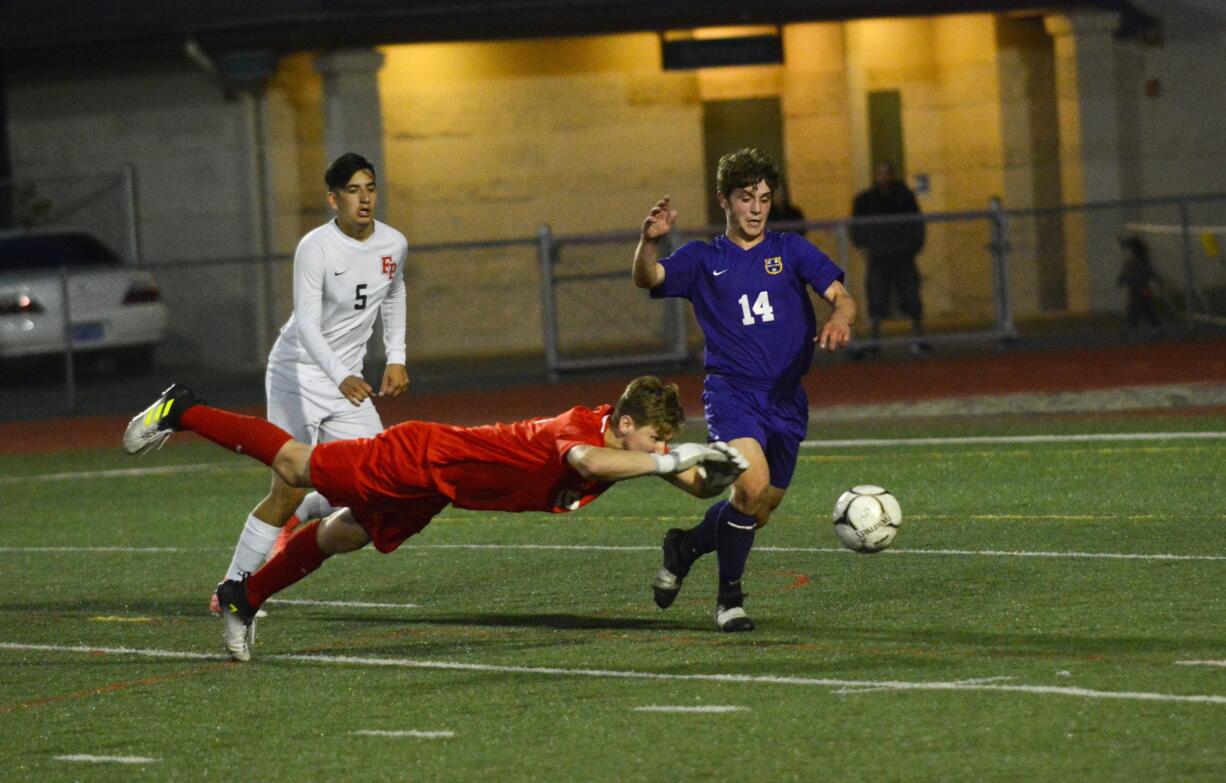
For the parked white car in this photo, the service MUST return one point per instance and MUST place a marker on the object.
(111, 307)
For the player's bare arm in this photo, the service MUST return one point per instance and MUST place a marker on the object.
(648, 271)
(601, 463)
(836, 332)
(355, 389)
(395, 381)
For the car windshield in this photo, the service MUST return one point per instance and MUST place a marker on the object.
(49, 251)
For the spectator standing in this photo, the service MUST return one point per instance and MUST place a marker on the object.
(889, 249)
(1138, 278)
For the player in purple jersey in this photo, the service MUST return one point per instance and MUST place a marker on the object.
(748, 289)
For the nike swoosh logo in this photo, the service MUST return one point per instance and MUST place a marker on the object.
(338, 274)
(720, 272)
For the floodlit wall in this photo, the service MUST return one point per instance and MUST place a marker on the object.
(488, 141)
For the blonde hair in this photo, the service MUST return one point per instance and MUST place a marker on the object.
(649, 400)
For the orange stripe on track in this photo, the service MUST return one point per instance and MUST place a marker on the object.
(832, 382)
(111, 688)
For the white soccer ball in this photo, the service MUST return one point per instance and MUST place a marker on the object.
(866, 518)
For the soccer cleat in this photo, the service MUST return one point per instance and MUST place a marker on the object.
(237, 618)
(151, 427)
(730, 613)
(732, 619)
(667, 583)
(215, 608)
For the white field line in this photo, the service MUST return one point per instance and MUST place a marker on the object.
(344, 604)
(405, 733)
(702, 708)
(550, 671)
(960, 682)
(1202, 663)
(1003, 439)
(839, 551)
(91, 759)
(96, 549)
(168, 470)
(644, 548)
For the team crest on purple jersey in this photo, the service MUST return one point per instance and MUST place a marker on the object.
(774, 265)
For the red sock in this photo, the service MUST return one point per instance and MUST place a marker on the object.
(245, 434)
(300, 557)
(287, 532)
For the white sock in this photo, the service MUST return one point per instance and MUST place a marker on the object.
(313, 506)
(253, 547)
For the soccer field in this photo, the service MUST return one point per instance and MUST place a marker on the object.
(1052, 610)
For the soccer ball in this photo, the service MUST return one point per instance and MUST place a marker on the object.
(866, 518)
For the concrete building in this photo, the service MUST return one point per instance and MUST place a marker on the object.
(489, 139)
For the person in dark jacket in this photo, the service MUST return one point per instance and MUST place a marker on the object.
(890, 248)
(1137, 277)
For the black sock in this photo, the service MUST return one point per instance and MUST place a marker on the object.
(734, 540)
(703, 537)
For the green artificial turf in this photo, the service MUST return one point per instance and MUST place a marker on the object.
(1024, 626)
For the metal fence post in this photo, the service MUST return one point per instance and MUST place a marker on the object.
(999, 245)
(129, 191)
(70, 381)
(546, 253)
(842, 243)
(1189, 275)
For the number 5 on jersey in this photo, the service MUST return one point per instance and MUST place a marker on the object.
(761, 307)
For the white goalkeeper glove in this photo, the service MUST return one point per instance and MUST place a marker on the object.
(684, 457)
(719, 458)
(719, 474)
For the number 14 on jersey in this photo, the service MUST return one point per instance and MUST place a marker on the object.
(761, 307)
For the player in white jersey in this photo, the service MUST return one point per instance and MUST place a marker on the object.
(345, 272)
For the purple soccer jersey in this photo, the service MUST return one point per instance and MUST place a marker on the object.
(752, 305)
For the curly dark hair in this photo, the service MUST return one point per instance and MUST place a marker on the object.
(649, 400)
(745, 168)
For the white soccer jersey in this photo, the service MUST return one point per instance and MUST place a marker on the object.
(340, 284)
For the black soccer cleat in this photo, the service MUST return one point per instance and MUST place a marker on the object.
(151, 427)
(237, 618)
(232, 597)
(730, 613)
(667, 584)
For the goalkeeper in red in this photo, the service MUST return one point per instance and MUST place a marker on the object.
(391, 485)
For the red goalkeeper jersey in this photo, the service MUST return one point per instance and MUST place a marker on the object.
(499, 467)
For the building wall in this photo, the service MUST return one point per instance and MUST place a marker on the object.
(190, 149)
(488, 141)
(1178, 91)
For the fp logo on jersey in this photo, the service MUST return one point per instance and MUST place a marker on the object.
(389, 267)
(774, 265)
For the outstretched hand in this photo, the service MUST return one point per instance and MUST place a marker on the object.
(684, 457)
(660, 220)
(720, 464)
(723, 473)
